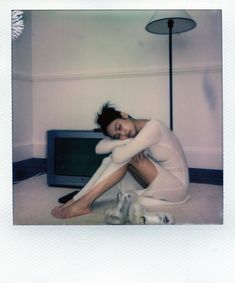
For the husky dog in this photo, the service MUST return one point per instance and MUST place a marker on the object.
(128, 210)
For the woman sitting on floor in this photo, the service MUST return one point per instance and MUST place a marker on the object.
(145, 149)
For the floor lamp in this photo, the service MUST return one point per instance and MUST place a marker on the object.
(170, 22)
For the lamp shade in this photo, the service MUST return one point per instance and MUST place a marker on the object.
(159, 22)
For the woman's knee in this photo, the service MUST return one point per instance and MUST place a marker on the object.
(106, 160)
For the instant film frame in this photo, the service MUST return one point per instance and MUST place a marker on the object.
(19, 243)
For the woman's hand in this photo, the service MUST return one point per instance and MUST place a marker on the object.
(139, 157)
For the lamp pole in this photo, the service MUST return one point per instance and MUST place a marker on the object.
(170, 26)
(170, 22)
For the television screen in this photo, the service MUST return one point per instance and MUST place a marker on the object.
(74, 157)
(71, 157)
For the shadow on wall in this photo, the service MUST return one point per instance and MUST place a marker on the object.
(209, 91)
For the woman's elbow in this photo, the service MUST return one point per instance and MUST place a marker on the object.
(99, 149)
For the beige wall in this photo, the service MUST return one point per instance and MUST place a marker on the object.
(80, 60)
(22, 97)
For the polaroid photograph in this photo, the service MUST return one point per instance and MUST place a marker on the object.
(117, 131)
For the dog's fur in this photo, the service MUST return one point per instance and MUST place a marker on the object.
(129, 211)
(119, 213)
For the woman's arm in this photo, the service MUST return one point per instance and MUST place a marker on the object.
(107, 145)
(150, 134)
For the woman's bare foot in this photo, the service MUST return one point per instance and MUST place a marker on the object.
(62, 206)
(71, 209)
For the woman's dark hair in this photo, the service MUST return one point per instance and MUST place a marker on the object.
(106, 116)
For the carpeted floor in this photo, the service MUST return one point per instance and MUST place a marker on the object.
(33, 201)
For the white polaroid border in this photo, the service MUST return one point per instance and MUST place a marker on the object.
(113, 254)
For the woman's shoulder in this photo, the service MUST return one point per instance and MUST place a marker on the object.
(155, 123)
(156, 126)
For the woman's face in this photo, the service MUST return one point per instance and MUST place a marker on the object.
(122, 129)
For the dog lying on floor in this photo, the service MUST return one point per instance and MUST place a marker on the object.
(129, 211)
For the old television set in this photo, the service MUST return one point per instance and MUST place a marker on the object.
(71, 157)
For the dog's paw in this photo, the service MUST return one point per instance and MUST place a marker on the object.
(136, 213)
(114, 217)
(160, 218)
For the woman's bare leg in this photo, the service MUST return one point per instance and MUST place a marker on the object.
(143, 168)
(106, 169)
(93, 180)
(143, 171)
(83, 205)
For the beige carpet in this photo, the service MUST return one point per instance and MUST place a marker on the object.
(33, 201)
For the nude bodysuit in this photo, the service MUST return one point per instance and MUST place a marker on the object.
(162, 147)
